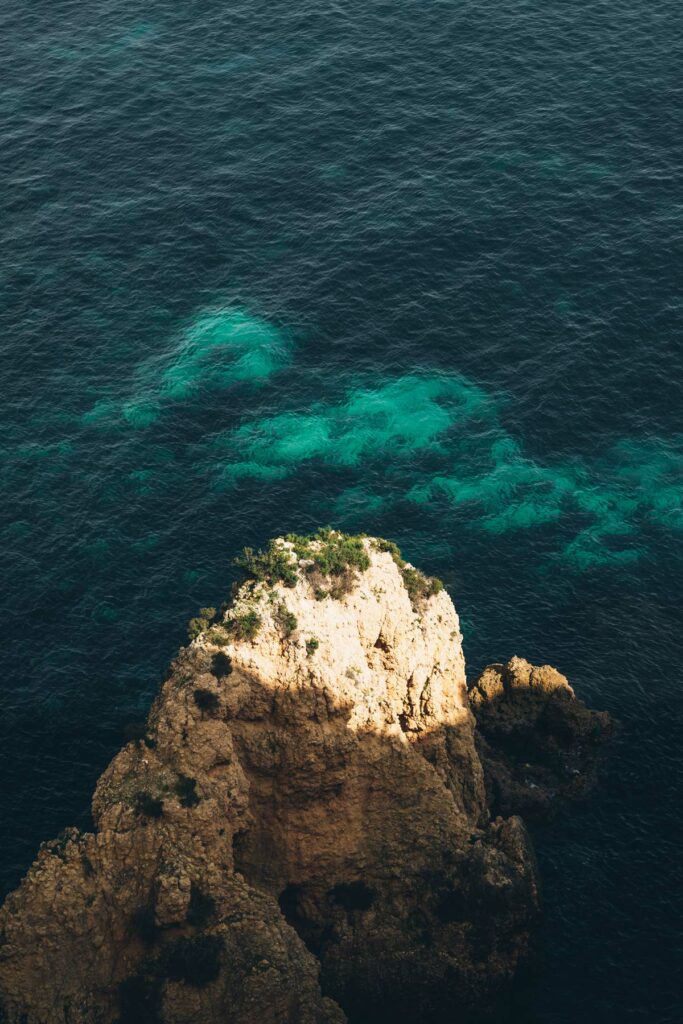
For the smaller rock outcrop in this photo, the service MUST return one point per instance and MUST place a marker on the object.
(538, 743)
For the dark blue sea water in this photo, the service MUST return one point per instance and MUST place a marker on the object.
(412, 268)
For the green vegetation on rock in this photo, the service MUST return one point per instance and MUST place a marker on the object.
(242, 626)
(331, 552)
(218, 635)
(419, 586)
(286, 620)
(272, 565)
(200, 622)
(330, 560)
(245, 626)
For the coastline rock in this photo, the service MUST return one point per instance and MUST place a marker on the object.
(304, 825)
(539, 744)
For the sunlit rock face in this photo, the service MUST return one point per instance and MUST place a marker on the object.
(302, 833)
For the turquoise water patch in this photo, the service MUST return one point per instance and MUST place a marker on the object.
(102, 412)
(436, 440)
(590, 550)
(141, 480)
(226, 476)
(403, 417)
(51, 450)
(16, 531)
(616, 494)
(140, 412)
(137, 33)
(105, 48)
(218, 349)
(33, 461)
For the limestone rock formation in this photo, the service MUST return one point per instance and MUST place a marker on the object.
(539, 744)
(303, 826)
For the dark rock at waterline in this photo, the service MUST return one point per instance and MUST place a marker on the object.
(540, 746)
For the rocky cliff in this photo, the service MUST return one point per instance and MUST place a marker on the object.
(305, 823)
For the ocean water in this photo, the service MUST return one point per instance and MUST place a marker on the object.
(408, 268)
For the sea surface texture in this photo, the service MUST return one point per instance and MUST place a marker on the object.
(411, 268)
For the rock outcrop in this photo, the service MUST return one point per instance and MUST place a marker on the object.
(303, 825)
(539, 744)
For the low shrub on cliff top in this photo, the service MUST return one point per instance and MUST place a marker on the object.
(218, 635)
(200, 622)
(331, 553)
(392, 547)
(239, 627)
(246, 626)
(328, 553)
(331, 556)
(419, 586)
(273, 565)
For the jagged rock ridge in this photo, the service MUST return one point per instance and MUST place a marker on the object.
(303, 827)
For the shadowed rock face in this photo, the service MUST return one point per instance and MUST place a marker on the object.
(539, 745)
(305, 827)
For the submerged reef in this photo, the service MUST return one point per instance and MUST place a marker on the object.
(312, 825)
(427, 441)
(442, 445)
(218, 348)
